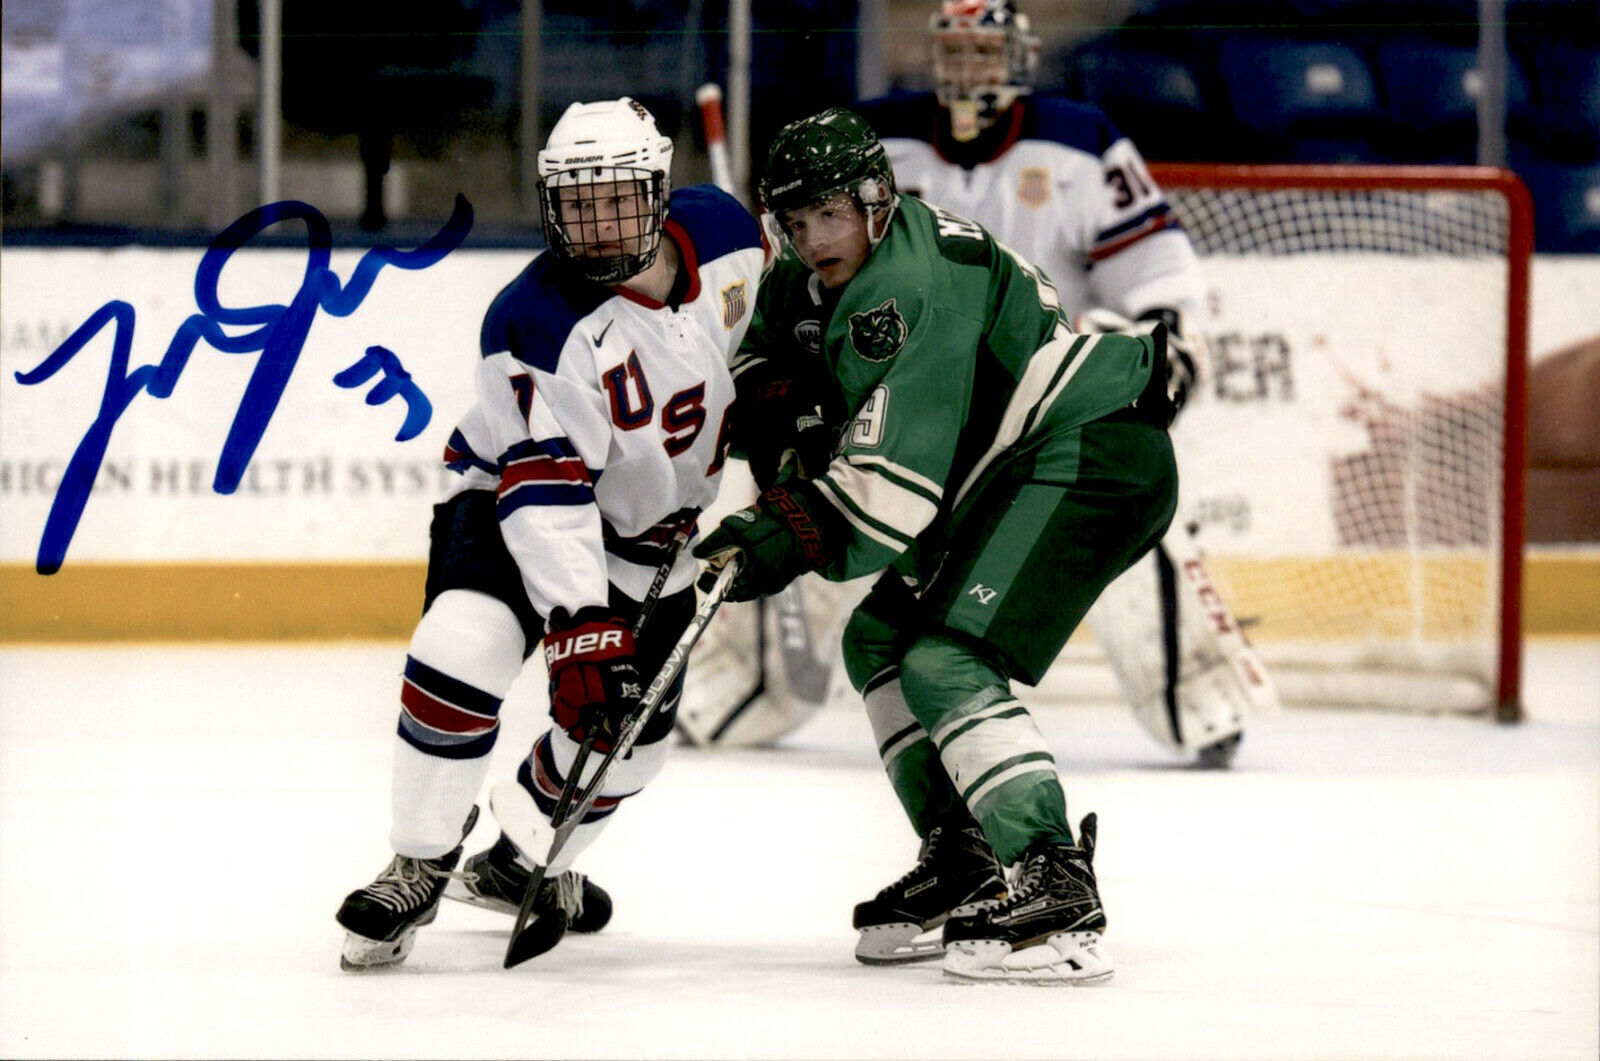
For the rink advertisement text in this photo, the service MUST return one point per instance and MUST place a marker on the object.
(266, 477)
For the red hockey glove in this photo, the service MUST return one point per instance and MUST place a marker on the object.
(593, 681)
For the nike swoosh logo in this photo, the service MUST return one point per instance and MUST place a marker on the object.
(598, 339)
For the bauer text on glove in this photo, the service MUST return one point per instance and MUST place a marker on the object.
(593, 681)
(782, 536)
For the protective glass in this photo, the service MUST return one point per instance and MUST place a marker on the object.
(821, 224)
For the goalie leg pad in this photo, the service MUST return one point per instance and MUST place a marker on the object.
(1182, 662)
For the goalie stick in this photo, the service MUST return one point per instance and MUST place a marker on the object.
(527, 940)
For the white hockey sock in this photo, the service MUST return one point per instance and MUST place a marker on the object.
(465, 653)
(893, 726)
(545, 771)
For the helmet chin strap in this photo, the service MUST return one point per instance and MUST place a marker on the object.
(878, 218)
(878, 203)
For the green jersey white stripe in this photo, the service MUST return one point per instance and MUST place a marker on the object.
(1017, 766)
(1041, 383)
(882, 500)
(859, 520)
(934, 491)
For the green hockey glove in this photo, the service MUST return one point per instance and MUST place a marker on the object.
(780, 423)
(781, 537)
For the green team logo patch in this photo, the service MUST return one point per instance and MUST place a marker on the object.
(878, 334)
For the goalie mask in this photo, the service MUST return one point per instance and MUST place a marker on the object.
(604, 177)
(814, 159)
(983, 59)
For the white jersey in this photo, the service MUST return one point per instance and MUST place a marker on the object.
(1054, 181)
(601, 414)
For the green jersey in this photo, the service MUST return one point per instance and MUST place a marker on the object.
(946, 351)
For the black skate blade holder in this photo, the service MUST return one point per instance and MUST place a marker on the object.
(531, 940)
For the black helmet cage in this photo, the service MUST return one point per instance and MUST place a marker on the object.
(816, 158)
(566, 238)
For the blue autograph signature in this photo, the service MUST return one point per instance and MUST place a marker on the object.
(279, 336)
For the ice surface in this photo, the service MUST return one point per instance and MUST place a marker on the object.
(177, 826)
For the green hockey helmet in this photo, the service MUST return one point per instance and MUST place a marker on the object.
(815, 158)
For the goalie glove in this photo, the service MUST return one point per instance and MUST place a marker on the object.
(594, 684)
(780, 536)
(1183, 352)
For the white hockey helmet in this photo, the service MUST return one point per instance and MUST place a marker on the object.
(604, 177)
(983, 59)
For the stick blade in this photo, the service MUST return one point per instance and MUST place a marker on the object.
(541, 934)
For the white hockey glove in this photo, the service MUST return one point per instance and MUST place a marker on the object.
(1184, 352)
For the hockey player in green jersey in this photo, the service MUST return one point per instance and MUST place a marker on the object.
(1000, 471)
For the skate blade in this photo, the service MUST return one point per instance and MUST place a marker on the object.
(1067, 958)
(363, 955)
(898, 944)
(462, 894)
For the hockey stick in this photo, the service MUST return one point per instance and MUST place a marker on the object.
(530, 940)
(569, 791)
(708, 98)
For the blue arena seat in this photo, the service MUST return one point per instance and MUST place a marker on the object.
(1431, 91)
(1566, 95)
(1157, 99)
(1305, 101)
(1566, 206)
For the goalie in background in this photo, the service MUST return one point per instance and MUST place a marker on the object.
(597, 437)
(998, 471)
(1054, 180)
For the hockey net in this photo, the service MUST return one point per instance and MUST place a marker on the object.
(1352, 464)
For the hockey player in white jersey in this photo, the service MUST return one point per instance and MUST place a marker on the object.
(1055, 181)
(597, 437)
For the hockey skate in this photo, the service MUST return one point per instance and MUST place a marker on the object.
(381, 920)
(495, 880)
(1046, 932)
(955, 867)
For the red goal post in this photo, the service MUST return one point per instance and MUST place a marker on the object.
(1413, 211)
